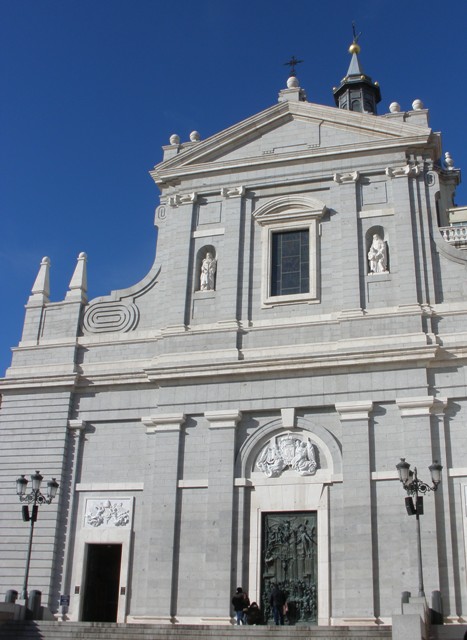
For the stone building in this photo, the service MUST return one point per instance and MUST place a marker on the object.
(236, 417)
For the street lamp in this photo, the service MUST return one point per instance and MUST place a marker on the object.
(35, 498)
(414, 488)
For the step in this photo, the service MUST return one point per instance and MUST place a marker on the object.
(35, 630)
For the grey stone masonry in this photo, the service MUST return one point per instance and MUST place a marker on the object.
(184, 415)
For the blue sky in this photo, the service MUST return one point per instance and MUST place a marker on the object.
(91, 90)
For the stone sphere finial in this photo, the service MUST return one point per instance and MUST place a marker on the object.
(448, 160)
(394, 107)
(82, 255)
(417, 105)
(292, 82)
(194, 136)
(174, 139)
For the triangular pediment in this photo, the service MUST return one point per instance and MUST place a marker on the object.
(292, 129)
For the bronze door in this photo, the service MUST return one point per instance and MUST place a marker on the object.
(289, 559)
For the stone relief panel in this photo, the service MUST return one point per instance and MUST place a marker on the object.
(108, 513)
(287, 452)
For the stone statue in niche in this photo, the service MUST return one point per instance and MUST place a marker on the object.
(377, 256)
(287, 452)
(208, 273)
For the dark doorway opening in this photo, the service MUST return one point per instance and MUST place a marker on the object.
(289, 559)
(102, 582)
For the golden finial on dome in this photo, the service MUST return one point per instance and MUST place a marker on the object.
(354, 47)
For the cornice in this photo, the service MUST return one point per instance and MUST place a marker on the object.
(163, 176)
(286, 111)
(420, 356)
(23, 383)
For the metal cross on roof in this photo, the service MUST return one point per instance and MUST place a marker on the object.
(355, 35)
(292, 64)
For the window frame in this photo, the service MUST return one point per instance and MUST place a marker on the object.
(290, 214)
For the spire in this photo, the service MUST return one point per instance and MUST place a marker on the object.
(78, 283)
(357, 91)
(40, 291)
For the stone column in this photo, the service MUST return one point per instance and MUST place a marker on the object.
(219, 552)
(160, 502)
(357, 536)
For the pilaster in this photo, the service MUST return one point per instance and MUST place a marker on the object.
(420, 448)
(160, 505)
(346, 193)
(76, 430)
(357, 507)
(219, 552)
(232, 250)
(407, 266)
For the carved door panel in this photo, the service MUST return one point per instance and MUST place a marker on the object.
(289, 559)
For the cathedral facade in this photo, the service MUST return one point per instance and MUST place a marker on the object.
(236, 417)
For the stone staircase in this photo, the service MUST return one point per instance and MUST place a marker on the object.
(42, 630)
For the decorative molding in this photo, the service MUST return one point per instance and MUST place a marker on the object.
(287, 209)
(202, 483)
(76, 425)
(344, 178)
(288, 418)
(104, 317)
(109, 486)
(207, 233)
(411, 171)
(421, 406)
(185, 198)
(358, 410)
(233, 192)
(164, 422)
(223, 419)
(458, 472)
(375, 213)
(160, 213)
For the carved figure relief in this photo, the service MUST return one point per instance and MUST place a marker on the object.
(107, 513)
(208, 273)
(377, 256)
(285, 452)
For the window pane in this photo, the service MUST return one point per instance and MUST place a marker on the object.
(290, 263)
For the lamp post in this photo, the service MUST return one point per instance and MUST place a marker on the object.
(35, 498)
(414, 487)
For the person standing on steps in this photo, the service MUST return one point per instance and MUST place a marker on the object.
(277, 601)
(240, 601)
